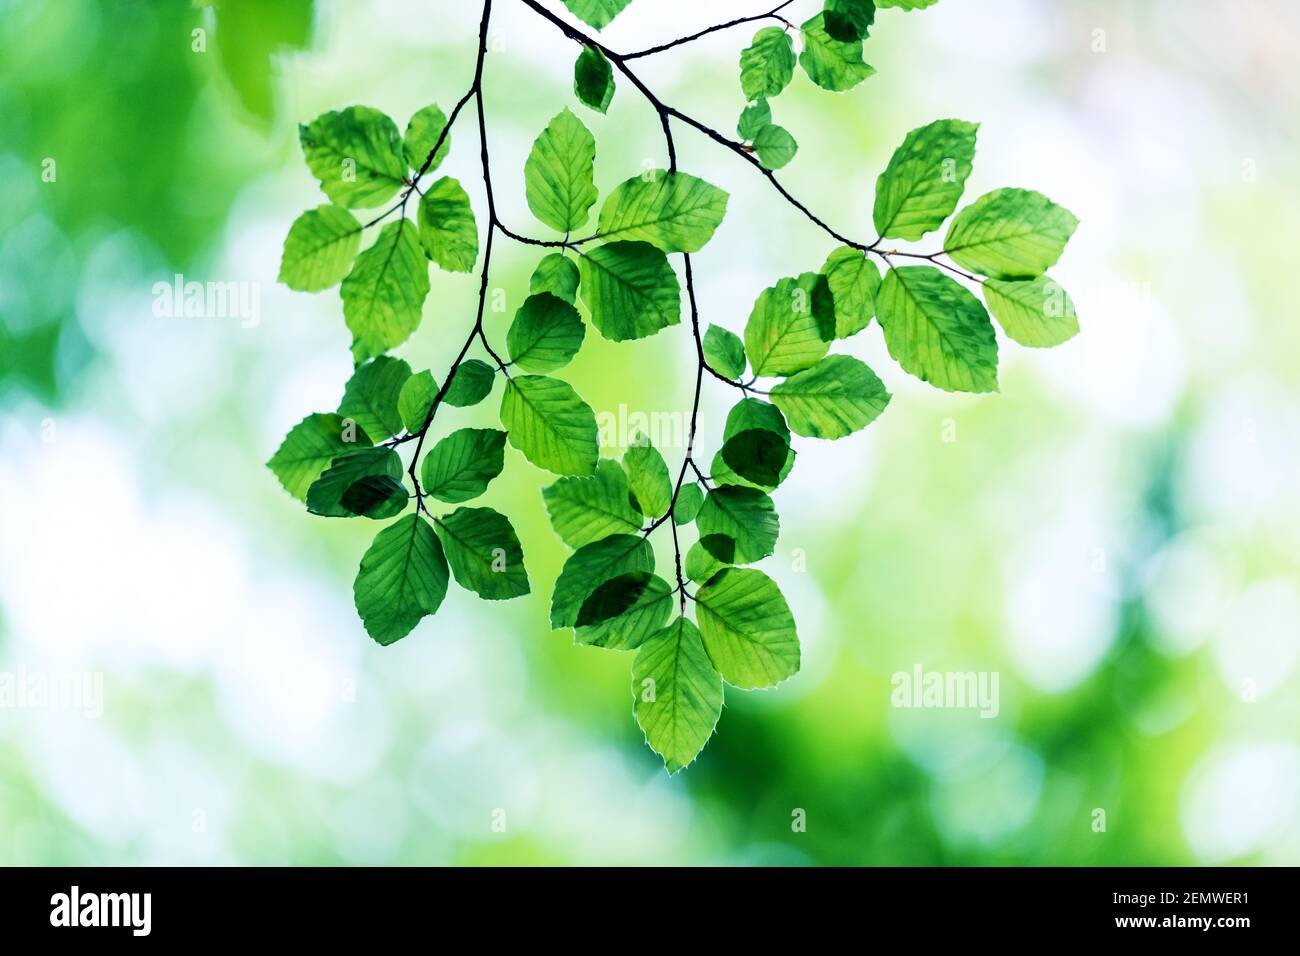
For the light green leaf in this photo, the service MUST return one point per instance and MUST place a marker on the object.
(701, 563)
(767, 64)
(415, 400)
(559, 174)
(550, 424)
(677, 692)
(310, 447)
(1010, 234)
(849, 20)
(745, 515)
(319, 249)
(937, 330)
(385, 291)
(372, 394)
(422, 136)
(470, 384)
(403, 577)
(591, 566)
(724, 351)
(557, 275)
(448, 230)
(854, 280)
(631, 290)
(647, 476)
(775, 146)
(747, 628)
(356, 154)
(597, 13)
(689, 499)
(484, 553)
(791, 326)
(461, 466)
(583, 510)
(624, 611)
(546, 333)
(593, 79)
(1034, 312)
(906, 4)
(834, 398)
(363, 481)
(924, 180)
(753, 118)
(675, 211)
(830, 63)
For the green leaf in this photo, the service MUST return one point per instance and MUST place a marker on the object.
(631, 290)
(363, 481)
(422, 136)
(775, 146)
(593, 79)
(448, 230)
(724, 352)
(647, 476)
(675, 211)
(484, 553)
(583, 510)
(702, 563)
(753, 118)
(415, 400)
(834, 398)
(385, 291)
(854, 281)
(745, 515)
(546, 333)
(557, 275)
(591, 566)
(319, 249)
(559, 174)
(754, 452)
(924, 180)
(767, 64)
(624, 611)
(372, 394)
(1034, 312)
(677, 692)
(470, 384)
(906, 4)
(597, 13)
(310, 447)
(356, 154)
(938, 331)
(849, 20)
(403, 577)
(791, 326)
(550, 424)
(830, 63)
(461, 466)
(689, 499)
(747, 628)
(1010, 234)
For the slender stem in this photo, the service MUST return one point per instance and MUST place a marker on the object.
(770, 15)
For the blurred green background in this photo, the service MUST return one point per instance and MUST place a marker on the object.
(1115, 534)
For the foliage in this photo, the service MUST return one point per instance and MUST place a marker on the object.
(621, 278)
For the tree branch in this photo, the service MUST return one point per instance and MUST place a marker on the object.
(770, 15)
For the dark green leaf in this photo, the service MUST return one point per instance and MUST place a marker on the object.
(371, 396)
(461, 466)
(708, 556)
(745, 515)
(557, 275)
(403, 577)
(471, 383)
(631, 290)
(646, 599)
(326, 494)
(593, 79)
(484, 553)
(758, 455)
(310, 447)
(591, 566)
(546, 333)
(849, 20)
